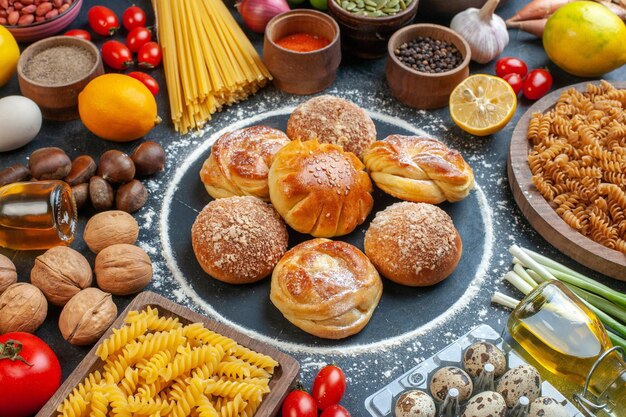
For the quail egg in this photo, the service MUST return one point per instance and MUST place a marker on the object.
(546, 406)
(415, 403)
(485, 404)
(480, 353)
(451, 377)
(521, 380)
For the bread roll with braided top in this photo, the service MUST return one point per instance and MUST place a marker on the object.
(418, 169)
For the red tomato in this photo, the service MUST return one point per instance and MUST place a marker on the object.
(79, 33)
(537, 83)
(137, 38)
(116, 55)
(510, 65)
(335, 411)
(103, 20)
(515, 80)
(29, 374)
(329, 386)
(299, 404)
(147, 80)
(134, 17)
(149, 55)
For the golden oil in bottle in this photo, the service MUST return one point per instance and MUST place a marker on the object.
(37, 215)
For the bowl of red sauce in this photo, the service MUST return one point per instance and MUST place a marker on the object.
(302, 51)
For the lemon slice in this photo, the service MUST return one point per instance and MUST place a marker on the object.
(482, 104)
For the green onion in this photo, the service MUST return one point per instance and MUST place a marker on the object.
(504, 300)
(616, 340)
(518, 282)
(599, 302)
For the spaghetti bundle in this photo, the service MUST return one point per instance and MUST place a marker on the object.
(208, 60)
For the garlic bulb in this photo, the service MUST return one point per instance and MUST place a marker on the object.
(484, 31)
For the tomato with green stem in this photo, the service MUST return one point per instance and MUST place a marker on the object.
(137, 38)
(329, 386)
(149, 55)
(116, 55)
(103, 20)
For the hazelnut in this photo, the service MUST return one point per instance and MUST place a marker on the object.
(8, 274)
(83, 168)
(123, 269)
(131, 196)
(149, 158)
(81, 194)
(60, 273)
(49, 164)
(23, 308)
(116, 167)
(14, 173)
(100, 193)
(87, 316)
(110, 228)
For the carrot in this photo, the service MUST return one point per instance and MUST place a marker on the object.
(538, 9)
(534, 27)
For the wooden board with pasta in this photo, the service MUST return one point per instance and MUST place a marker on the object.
(162, 359)
(567, 170)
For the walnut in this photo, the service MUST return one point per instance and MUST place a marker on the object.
(110, 228)
(60, 273)
(8, 274)
(23, 308)
(123, 269)
(87, 316)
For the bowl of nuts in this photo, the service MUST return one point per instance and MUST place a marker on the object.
(424, 64)
(367, 25)
(31, 20)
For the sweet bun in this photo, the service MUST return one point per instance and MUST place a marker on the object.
(332, 120)
(414, 244)
(238, 240)
(240, 160)
(418, 169)
(326, 288)
(319, 189)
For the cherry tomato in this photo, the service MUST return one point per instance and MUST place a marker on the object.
(29, 374)
(147, 80)
(537, 83)
(116, 55)
(149, 55)
(79, 33)
(103, 20)
(510, 65)
(329, 386)
(134, 17)
(137, 38)
(335, 411)
(299, 404)
(515, 80)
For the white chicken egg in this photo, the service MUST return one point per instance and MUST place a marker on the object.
(415, 403)
(20, 121)
(546, 406)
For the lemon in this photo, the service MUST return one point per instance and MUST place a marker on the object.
(482, 104)
(585, 39)
(9, 54)
(117, 107)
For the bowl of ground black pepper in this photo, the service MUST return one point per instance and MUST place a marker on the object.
(53, 71)
(367, 25)
(425, 62)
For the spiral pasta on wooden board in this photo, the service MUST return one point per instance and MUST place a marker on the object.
(578, 161)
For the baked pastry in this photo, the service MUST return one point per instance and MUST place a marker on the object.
(418, 169)
(332, 119)
(414, 244)
(240, 160)
(326, 288)
(238, 240)
(320, 189)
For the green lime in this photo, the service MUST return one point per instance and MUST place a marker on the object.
(320, 4)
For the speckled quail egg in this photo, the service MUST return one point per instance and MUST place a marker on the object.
(547, 407)
(451, 377)
(521, 380)
(485, 404)
(480, 353)
(415, 403)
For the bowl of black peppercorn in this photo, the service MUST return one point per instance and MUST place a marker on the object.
(424, 64)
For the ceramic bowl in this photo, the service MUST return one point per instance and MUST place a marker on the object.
(40, 30)
(302, 72)
(57, 102)
(421, 89)
(366, 37)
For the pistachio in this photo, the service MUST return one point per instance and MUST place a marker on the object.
(87, 316)
(23, 308)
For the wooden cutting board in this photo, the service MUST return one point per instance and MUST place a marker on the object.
(538, 212)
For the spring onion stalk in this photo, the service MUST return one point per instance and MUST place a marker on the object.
(518, 282)
(504, 300)
(535, 276)
(616, 340)
(531, 263)
(519, 270)
(618, 327)
(599, 302)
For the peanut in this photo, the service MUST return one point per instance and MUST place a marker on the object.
(57, 3)
(3, 20)
(39, 19)
(4, 4)
(30, 9)
(18, 6)
(43, 8)
(52, 13)
(27, 19)
(13, 17)
(64, 8)
(27, 2)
